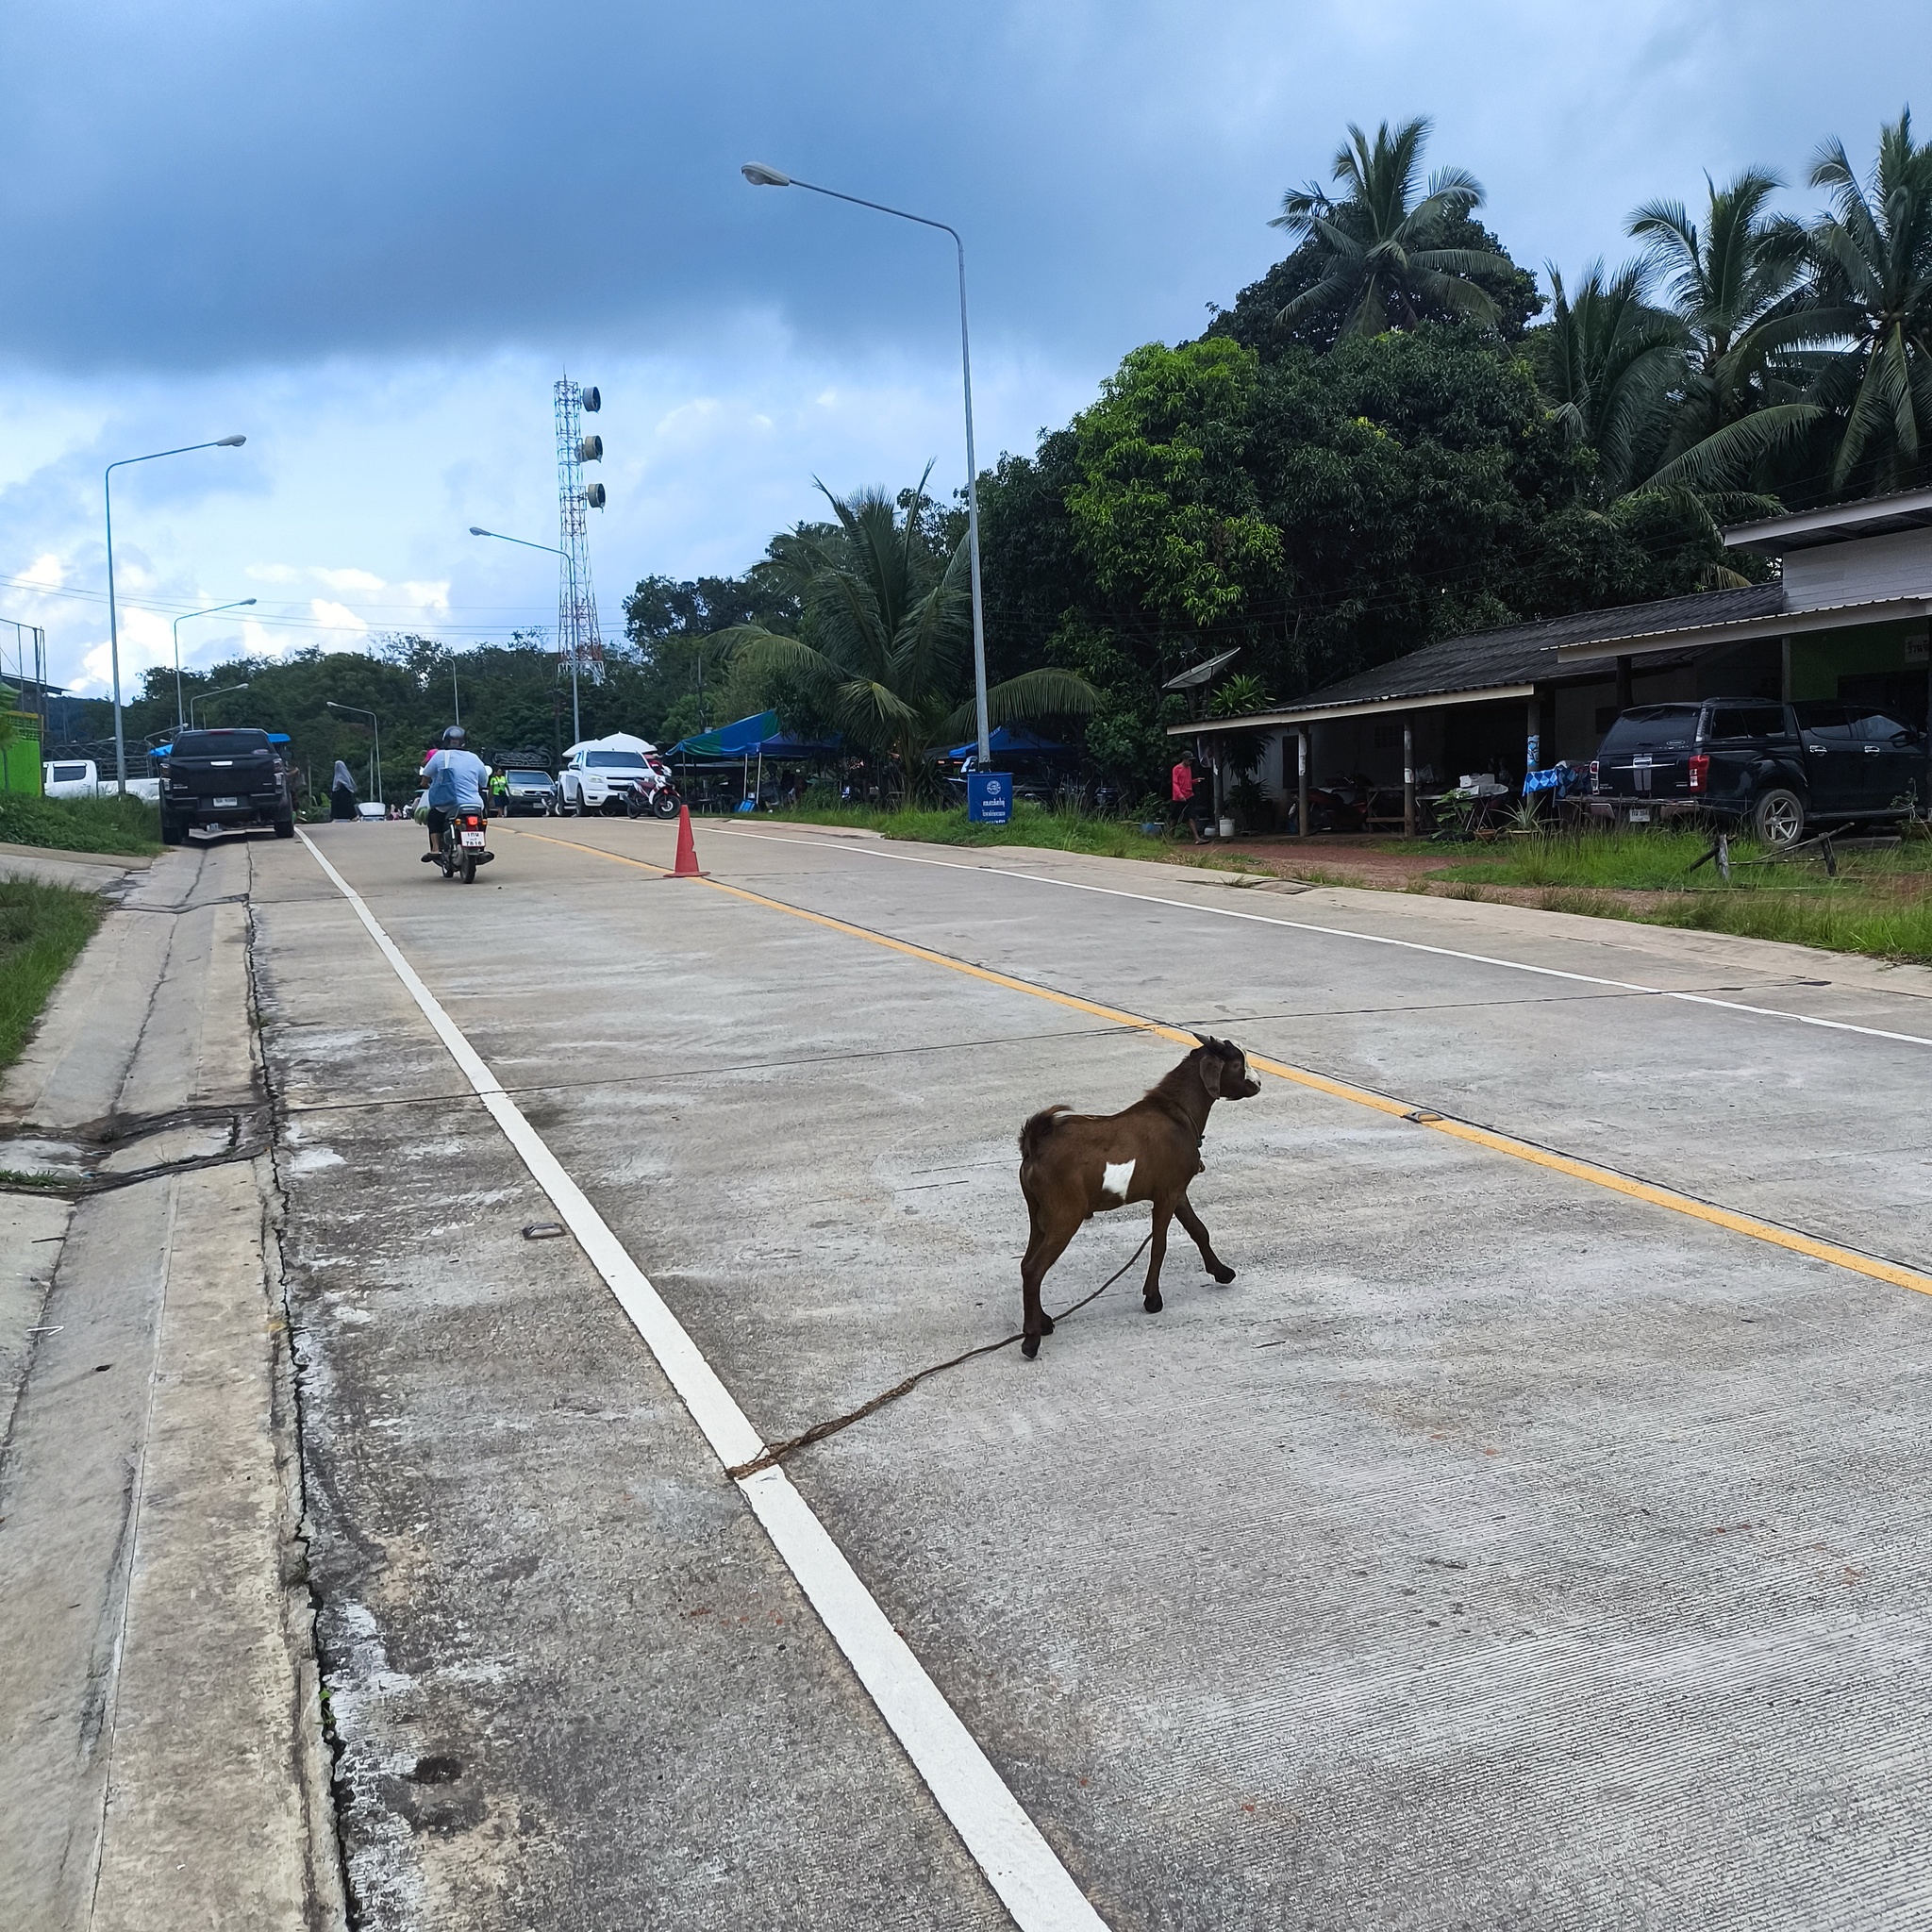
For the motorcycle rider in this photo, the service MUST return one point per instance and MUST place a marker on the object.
(456, 778)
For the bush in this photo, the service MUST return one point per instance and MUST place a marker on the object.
(41, 929)
(81, 825)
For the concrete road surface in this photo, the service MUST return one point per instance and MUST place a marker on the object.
(1502, 1548)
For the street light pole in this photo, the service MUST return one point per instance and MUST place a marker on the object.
(204, 697)
(577, 727)
(761, 176)
(376, 729)
(113, 617)
(241, 604)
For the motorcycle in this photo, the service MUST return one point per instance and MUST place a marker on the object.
(465, 844)
(652, 796)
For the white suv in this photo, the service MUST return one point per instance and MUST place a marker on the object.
(598, 780)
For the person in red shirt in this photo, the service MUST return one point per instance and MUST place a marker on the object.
(1185, 803)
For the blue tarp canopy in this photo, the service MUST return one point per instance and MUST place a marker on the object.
(752, 738)
(1013, 739)
(729, 740)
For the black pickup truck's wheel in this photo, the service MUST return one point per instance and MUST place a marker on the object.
(1778, 817)
(174, 831)
(285, 829)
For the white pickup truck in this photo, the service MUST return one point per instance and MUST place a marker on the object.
(598, 776)
(78, 778)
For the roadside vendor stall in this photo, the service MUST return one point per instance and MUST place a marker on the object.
(748, 744)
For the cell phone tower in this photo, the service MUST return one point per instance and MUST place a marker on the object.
(578, 642)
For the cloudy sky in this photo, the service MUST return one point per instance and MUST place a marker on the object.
(370, 234)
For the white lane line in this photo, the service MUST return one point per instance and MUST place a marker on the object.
(1367, 939)
(1004, 1842)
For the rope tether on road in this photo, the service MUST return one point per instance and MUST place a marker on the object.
(818, 1431)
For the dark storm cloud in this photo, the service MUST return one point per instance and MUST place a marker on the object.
(206, 183)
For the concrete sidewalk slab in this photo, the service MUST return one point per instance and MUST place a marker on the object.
(160, 1755)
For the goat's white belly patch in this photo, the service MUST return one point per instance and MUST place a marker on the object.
(1117, 1179)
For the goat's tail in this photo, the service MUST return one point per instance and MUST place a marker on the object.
(1036, 1130)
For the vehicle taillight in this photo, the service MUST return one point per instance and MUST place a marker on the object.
(1700, 770)
(1593, 776)
(471, 819)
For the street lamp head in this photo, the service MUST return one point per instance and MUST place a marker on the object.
(244, 603)
(477, 530)
(231, 443)
(761, 176)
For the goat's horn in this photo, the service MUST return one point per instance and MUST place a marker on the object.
(1205, 1039)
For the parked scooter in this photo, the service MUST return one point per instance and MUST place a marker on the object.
(466, 843)
(654, 796)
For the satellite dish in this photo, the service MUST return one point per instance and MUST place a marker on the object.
(590, 450)
(593, 495)
(592, 401)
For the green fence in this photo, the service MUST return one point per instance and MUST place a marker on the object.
(19, 753)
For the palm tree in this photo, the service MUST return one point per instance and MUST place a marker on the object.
(1874, 301)
(1734, 284)
(1608, 360)
(1386, 257)
(887, 634)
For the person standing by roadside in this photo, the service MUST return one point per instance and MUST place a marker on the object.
(1188, 805)
(341, 793)
(499, 792)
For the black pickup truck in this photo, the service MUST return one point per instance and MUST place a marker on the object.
(223, 779)
(1771, 768)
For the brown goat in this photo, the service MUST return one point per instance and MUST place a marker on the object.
(1076, 1165)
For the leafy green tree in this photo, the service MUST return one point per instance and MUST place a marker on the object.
(1164, 508)
(1734, 284)
(1389, 259)
(885, 636)
(672, 626)
(1608, 362)
(1872, 305)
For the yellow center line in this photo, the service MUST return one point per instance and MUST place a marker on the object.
(1631, 1186)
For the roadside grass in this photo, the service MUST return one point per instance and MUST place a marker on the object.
(43, 929)
(128, 825)
(1628, 861)
(1879, 904)
(1031, 825)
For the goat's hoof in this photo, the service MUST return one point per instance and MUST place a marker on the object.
(1224, 1276)
(1151, 1301)
(1047, 1324)
(1029, 1346)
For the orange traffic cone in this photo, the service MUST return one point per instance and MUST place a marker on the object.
(687, 866)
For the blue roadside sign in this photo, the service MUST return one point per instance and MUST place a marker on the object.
(989, 798)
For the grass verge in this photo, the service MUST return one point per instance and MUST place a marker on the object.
(1031, 825)
(1880, 903)
(43, 929)
(129, 825)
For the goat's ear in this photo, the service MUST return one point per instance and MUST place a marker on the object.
(1212, 1066)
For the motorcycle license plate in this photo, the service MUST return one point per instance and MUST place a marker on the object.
(220, 802)
(1639, 815)
(473, 837)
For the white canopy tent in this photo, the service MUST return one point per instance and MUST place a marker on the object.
(617, 740)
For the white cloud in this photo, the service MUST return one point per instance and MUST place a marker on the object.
(45, 573)
(336, 616)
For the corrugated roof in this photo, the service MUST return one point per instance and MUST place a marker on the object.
(1526, 652)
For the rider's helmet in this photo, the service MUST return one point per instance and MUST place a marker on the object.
(455, 738)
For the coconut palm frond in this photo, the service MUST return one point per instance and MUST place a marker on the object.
(1048, 692)
(1733, 451)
